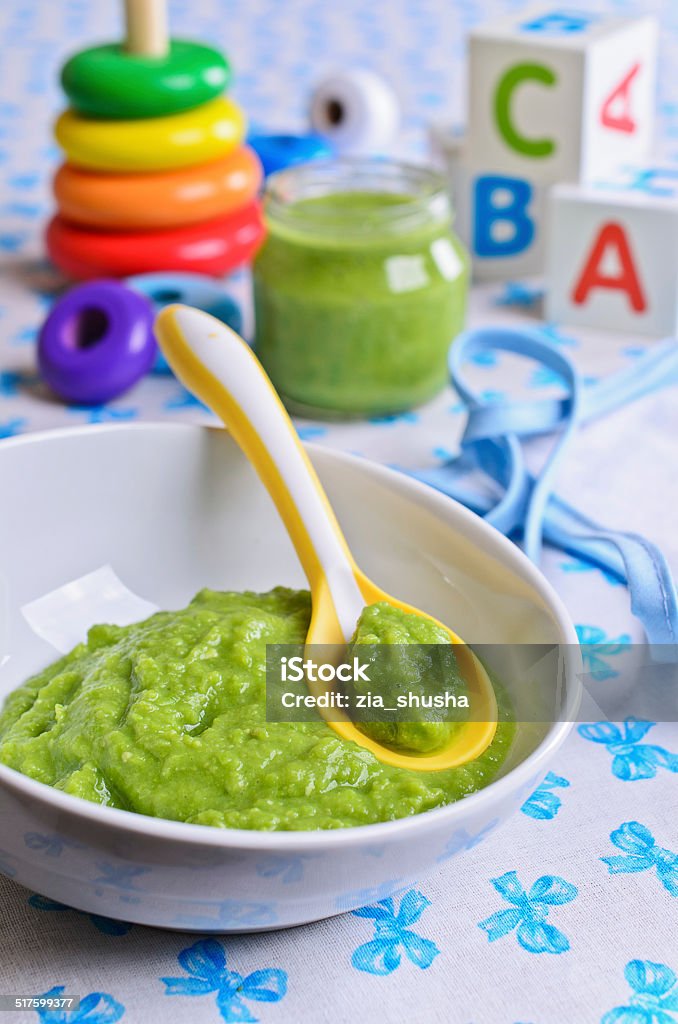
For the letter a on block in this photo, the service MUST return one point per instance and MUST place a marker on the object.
(616, 111)
(611, 243)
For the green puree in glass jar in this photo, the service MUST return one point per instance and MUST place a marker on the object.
(359, 288)
(167, 717)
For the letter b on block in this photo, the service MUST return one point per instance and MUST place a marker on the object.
(502, 222)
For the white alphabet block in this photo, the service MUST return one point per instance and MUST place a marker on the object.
(613, 253)
(556, 96)
(499, 217)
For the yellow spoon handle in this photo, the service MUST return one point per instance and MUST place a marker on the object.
(215, 364)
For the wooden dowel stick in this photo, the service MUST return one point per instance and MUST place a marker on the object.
(146, 27)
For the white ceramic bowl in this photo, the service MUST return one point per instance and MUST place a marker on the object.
(176, 508)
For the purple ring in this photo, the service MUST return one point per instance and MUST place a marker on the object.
(96, 342)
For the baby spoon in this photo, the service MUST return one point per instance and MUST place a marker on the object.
(217, 366)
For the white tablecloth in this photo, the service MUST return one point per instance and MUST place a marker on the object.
(568, 915)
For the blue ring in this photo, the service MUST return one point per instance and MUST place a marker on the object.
(192, 290)
(277, 152)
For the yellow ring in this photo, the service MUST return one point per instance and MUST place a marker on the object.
(153, 144)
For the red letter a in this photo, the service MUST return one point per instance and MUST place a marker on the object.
(620, 119)
(611, 238)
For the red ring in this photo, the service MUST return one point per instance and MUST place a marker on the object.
(214, 247)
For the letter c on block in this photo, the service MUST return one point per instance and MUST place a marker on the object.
(509, 82)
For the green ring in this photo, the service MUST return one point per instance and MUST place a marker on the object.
(105, 81)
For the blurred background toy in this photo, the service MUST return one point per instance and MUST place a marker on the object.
(157, 176)
(553, 97)
(352, 113)
(96, 342)
(279, 151)
(613, 252)
(147, 77)
(356, 111)
(214, 247)
(191, 290)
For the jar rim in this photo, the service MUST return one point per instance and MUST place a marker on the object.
(425, 198)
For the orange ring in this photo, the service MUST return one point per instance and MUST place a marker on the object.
(165, 199)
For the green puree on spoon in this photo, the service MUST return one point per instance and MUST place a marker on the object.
(407, 654)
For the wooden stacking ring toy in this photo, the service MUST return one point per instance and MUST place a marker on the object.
(109, 82)
(158, 199)
(154, 144)
(155, 176)
(96, 342)
(212, 247)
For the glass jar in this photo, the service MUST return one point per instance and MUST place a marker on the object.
(359, 288)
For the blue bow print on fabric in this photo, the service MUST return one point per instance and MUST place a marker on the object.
(529, 912)
(641, 853)
(528, 508)
(311, 432)
(95, 1008)
(393, 935)
(11, 382)
(654, 999)
(544, 804)
(183, 399)
(516, 293)
(393, 418)
(596, 647)
(205, 966)
(11, 427)
(631, 759)
(103, 413)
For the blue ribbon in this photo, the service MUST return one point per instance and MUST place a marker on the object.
(528, 508)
